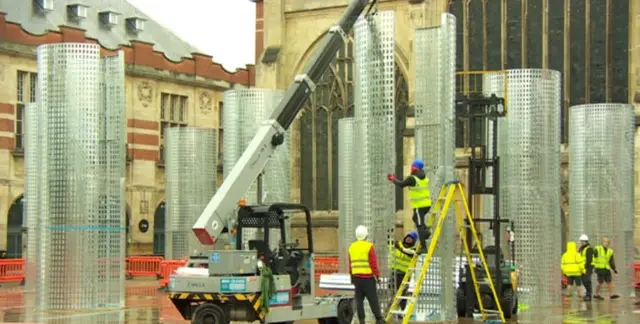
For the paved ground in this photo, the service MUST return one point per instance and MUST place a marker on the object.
(146, 305)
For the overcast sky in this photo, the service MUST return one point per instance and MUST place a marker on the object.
(224, 29)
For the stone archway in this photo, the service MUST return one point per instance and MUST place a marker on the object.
(159, 230)
(15, 223)
(332, 100)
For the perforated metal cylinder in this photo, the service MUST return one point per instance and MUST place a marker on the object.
(529, 150)
(349, 217)
(33, 139)
(75, 184)
(244, 111)
(435, 52)
(375, 106)
(191, 157)
(601, 188)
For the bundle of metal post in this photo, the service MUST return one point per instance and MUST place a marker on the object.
(75, 151)
(435, 52)
(529, 150)
(244, 110)
(191, 157)
(601, 172)
(374, 108)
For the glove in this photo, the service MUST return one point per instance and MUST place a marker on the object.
(391, 177)
(408, 251)
(616, 271)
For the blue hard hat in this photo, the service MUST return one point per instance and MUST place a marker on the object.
(413, 235)
(418, 163)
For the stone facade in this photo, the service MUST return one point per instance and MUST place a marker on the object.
(492, 35)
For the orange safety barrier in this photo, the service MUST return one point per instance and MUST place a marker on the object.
(325, 265)
(143, 266)
(636, 267)
(12, 270)
(169, 267)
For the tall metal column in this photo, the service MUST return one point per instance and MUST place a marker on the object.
(435, 52)
(601, 189)
(191, 157)
(529, 150)
(244, 110)
(74, 190)
(374, 93)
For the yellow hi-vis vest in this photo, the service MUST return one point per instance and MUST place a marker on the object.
(584, 255)
(601, 261)
(359, 255)
(419, 194)
(401, 261)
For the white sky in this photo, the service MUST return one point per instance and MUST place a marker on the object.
(224, 29)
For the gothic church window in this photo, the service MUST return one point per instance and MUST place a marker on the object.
(333, 100)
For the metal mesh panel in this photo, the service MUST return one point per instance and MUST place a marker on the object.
(33, 138)
(375, 106)
(349, 162)
(529, 150)
(75, 180)
(244, 110)
(435, 143)
(191, 157)
(601, 171)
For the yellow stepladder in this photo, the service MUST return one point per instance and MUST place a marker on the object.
(445, 198)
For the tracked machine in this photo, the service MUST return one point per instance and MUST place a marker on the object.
(219, 286)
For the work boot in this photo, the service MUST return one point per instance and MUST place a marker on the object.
(598, 297)
(615, 296)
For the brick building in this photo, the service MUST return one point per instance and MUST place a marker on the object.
(168, 83)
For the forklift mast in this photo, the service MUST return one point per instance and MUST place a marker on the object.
(479, 111)
(270, 134)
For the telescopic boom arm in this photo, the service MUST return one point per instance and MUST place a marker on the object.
(270, 134)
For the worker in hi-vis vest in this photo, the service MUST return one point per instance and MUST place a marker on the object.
(586, 250)
(363, 267)
(420, 196)
(403, 252)
(603, 264)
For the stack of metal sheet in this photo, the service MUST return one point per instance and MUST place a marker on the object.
(75, 163)
(191, 158)
(601, 172)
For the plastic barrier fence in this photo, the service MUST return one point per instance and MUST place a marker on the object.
(169, 267)
(325, 265)
(12, 270)
(143, 266)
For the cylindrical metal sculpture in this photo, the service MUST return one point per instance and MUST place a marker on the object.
(74, 190)
(435, 52)
(244, 110)
(529, 150)
(349, 217)
(191, 158)
(374, 93)
(601, 172)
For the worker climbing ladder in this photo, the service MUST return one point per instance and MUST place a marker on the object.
(445, 198)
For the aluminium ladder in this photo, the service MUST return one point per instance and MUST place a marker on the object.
(445, 198)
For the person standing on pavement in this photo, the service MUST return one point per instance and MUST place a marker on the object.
(363, 267)
(403, 253)
(420, 196)
(603, 264)
(586, 251)
(572, 267)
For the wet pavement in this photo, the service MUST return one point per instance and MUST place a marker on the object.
(145, 304)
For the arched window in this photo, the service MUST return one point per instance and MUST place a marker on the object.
(331, 101)
(158, 230)
(14, 229)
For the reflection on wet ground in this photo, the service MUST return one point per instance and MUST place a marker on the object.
(146, 305)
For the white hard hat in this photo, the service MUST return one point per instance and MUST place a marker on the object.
(584, 237)
(361, 233)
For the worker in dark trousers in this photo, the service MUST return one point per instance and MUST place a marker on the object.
(403, 253)
(603, 264)
(420, 196)
(587, 255)
(363, 267)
